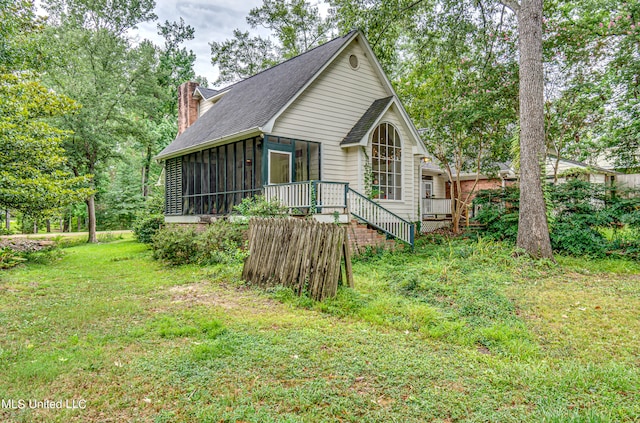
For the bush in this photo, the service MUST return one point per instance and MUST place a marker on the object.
(260, 207)
(221, 242)
(579, 213)
(498, 213)
(10, 258)
(175, 245)
(145, 227)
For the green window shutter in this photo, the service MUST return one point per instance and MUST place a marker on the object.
(173, 187)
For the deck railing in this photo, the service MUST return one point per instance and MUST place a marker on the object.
(328, 197)
(436, 206)
(380, 218)
(312, 196)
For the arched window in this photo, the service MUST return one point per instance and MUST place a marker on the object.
(386, 163)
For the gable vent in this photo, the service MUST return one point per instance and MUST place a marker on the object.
(353, 61)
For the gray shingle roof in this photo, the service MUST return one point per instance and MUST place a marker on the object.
(207, 93)
(251, 103)
(367, 120)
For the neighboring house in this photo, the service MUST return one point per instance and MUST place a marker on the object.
(435, 193)
(318, 132)
(567, 168)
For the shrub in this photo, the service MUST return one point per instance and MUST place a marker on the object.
(260, 207)
(498, 213)
(175, 245)
(145, 227)
(579, 212)
(221, 242)
(9, 258)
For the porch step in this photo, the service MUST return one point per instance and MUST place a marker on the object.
(362, 236)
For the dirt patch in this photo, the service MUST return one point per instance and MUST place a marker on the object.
(220, 295)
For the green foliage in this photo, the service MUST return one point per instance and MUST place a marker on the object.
(580, 212)
(498, 213)
(295, 24)
(9, 258)
(221, 242)
(175, 245)
(241, 56)
(33, 178)
(146, 226)
(258, 206)
(20, 250)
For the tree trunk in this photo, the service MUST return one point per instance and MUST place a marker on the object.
(7, 222)
(67, 225)
(145, 171)
(91, 211)
(78, 224)
(48, 223)
(533, 230)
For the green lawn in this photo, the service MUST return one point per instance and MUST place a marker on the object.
(458, 331)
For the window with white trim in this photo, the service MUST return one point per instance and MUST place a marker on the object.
(386, 163)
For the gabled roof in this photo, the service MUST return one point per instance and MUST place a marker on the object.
(207, 93)
(366, 122)
(596, 169)
(250, 104)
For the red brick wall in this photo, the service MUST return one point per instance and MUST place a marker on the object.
(467, 186)
(187, 106)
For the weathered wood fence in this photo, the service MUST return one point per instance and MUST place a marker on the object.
(304, 255)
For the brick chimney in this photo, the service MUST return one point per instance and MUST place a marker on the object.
(187, 106)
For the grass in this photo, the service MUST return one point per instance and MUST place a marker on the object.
(458, 331)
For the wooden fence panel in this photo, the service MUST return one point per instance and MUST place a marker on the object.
(304, 255)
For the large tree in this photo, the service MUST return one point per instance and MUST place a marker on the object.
(97, 66)
(459, 85)
(33, 176)
(533, 229)
(296, 26)
(392, 19)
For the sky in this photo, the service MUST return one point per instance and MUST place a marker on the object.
(213, 20)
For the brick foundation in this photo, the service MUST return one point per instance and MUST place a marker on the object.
(361, 236)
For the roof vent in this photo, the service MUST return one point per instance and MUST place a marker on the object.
(353, 61)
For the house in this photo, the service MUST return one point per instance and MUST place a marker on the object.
(323, 132)
(435, 193)
(568, 168)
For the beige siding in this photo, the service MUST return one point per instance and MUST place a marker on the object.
(329, 108)
(204, 106)
(629, 181)
(327, 111)
(406, 208)
(439, 187)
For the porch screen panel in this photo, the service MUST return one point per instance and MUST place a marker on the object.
(173, 186)
(197, 183)
(239, 167)
(231, 159)
(248, 166)
(214, 180)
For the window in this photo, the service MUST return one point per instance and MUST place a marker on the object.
(386, 164)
